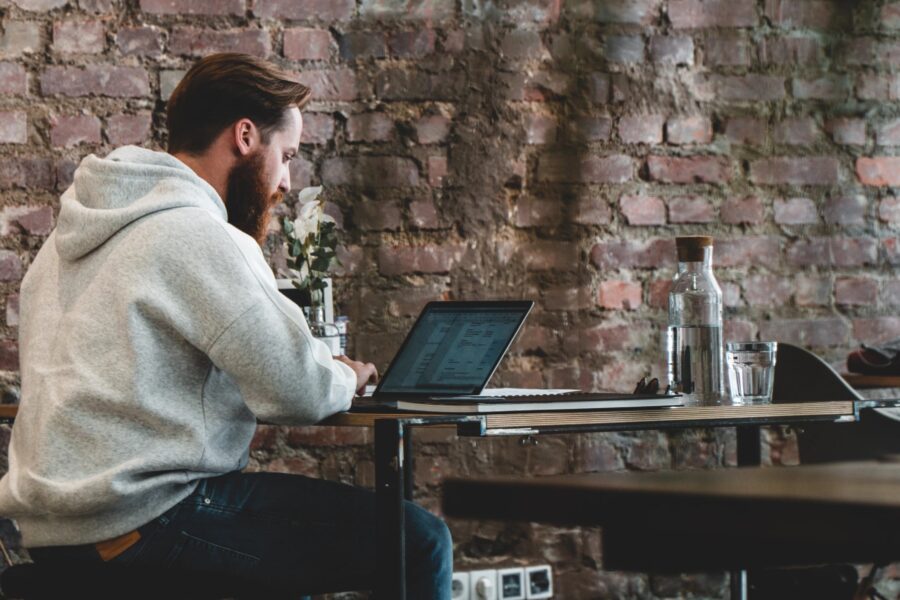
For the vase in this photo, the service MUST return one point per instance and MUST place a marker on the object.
(319, 325)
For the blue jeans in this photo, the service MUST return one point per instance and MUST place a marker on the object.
(287, 531)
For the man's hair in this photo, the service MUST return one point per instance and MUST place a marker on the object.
(224, 88)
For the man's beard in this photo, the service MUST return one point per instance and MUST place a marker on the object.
(247, 199)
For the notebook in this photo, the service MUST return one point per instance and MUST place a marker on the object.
(453, 349)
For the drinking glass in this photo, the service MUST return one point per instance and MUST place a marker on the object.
(751, 371)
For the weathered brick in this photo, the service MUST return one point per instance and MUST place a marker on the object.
(830, 87)
(370, 171)
(13, 79)
(399, 260)
(658, 293)
(12, 310)
(34, 220)
(891, 250)
(890, 294)
(13, 127)
(746, 130)
(303, 43)
(589, 210)
(567, 298)
(140, 41)
(837, 251)
(641, 129)
(9, 355)
(325, 10)
(817, 170)
(889, 209)
(81, 36)
(643, 210)
(432, 129)
(318, 128)
(795, 211)
(40, 5)
(689, 130)
(437, 170)
(330, 84)
(813, 14)
(534, 212)
(812, 291)
(748, 210)
(20, 37)
(301, 171)
(423, 214)
(10, 266)
(672, 50)
(748, 88)
(62, 173)
(194, 7)
(413, 44)
(568, 168)
(378, 216)
(694, 169)
(872, 86)
(128, 129)
(643, 254)
(728, 49)
(27, 173)
(600, 87)
(879, 170)
(98, 6)
(624, 49)
(68, 131)
(767, 290)
(370, 127)
(549, 255)
(362, 44)
(617, 295)
(168, 81)
(848, 131)
(193, 41)
(523, 44)
(696, 14)
(690, 209)
(856, 291)
(100, 80)
(791, 50)
(589, 129)
(635, 12)
(890, 16)
(747, 251)
(407, 84)
(797, 131)
(806, 332)
(539, 128)
(888, 133)
(417, 10)
(845, 210)
(877, 330)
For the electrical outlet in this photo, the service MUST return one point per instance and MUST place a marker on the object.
(511, 584)
(460, 587)
(539, 581)
(483, 585)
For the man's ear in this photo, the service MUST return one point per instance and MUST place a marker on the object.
(246, 137)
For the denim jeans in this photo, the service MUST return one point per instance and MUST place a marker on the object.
(287, 531)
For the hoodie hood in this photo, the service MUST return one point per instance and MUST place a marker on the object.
(108, 194)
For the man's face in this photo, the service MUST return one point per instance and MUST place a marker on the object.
(260, 179)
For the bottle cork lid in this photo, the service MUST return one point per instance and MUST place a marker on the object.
(690, 248)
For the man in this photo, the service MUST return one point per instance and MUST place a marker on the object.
(152, 336)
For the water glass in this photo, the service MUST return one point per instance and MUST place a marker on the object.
(751, 371)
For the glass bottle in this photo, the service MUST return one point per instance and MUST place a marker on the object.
(694, 337)
(323, 330)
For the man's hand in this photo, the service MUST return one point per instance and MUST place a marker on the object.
(365, 372)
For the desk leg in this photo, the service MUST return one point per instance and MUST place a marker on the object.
(749, 452)
(408, 459)
(390, 558)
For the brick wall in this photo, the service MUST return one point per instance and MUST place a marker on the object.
(549, 149)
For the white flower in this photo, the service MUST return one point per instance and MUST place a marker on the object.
(308, 221)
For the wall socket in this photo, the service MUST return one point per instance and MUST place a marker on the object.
(515, 583)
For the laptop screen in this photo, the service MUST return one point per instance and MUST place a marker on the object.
(454, 348)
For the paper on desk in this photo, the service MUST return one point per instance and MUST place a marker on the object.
(523, 392)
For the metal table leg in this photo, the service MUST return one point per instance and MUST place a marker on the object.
(749, 454)
(390, 560)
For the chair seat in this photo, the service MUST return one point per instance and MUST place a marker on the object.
(36, 581)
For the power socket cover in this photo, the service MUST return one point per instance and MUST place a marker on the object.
(511, 584)
(483, 585)
(460, 588)
(539, 582)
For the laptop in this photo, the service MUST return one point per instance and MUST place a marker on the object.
(453, 349)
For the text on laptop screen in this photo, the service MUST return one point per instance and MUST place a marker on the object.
(452, 351)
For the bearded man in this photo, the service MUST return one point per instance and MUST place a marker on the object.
(152, 338)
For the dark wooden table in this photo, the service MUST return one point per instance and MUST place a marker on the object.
(683, 521)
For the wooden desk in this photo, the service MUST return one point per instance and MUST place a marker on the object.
(686, 521)
(871, 381)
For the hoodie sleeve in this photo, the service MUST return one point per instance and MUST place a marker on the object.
(285, 375)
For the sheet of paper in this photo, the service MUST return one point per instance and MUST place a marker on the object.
(523, 392)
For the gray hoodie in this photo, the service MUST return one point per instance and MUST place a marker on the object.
(152, 336)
